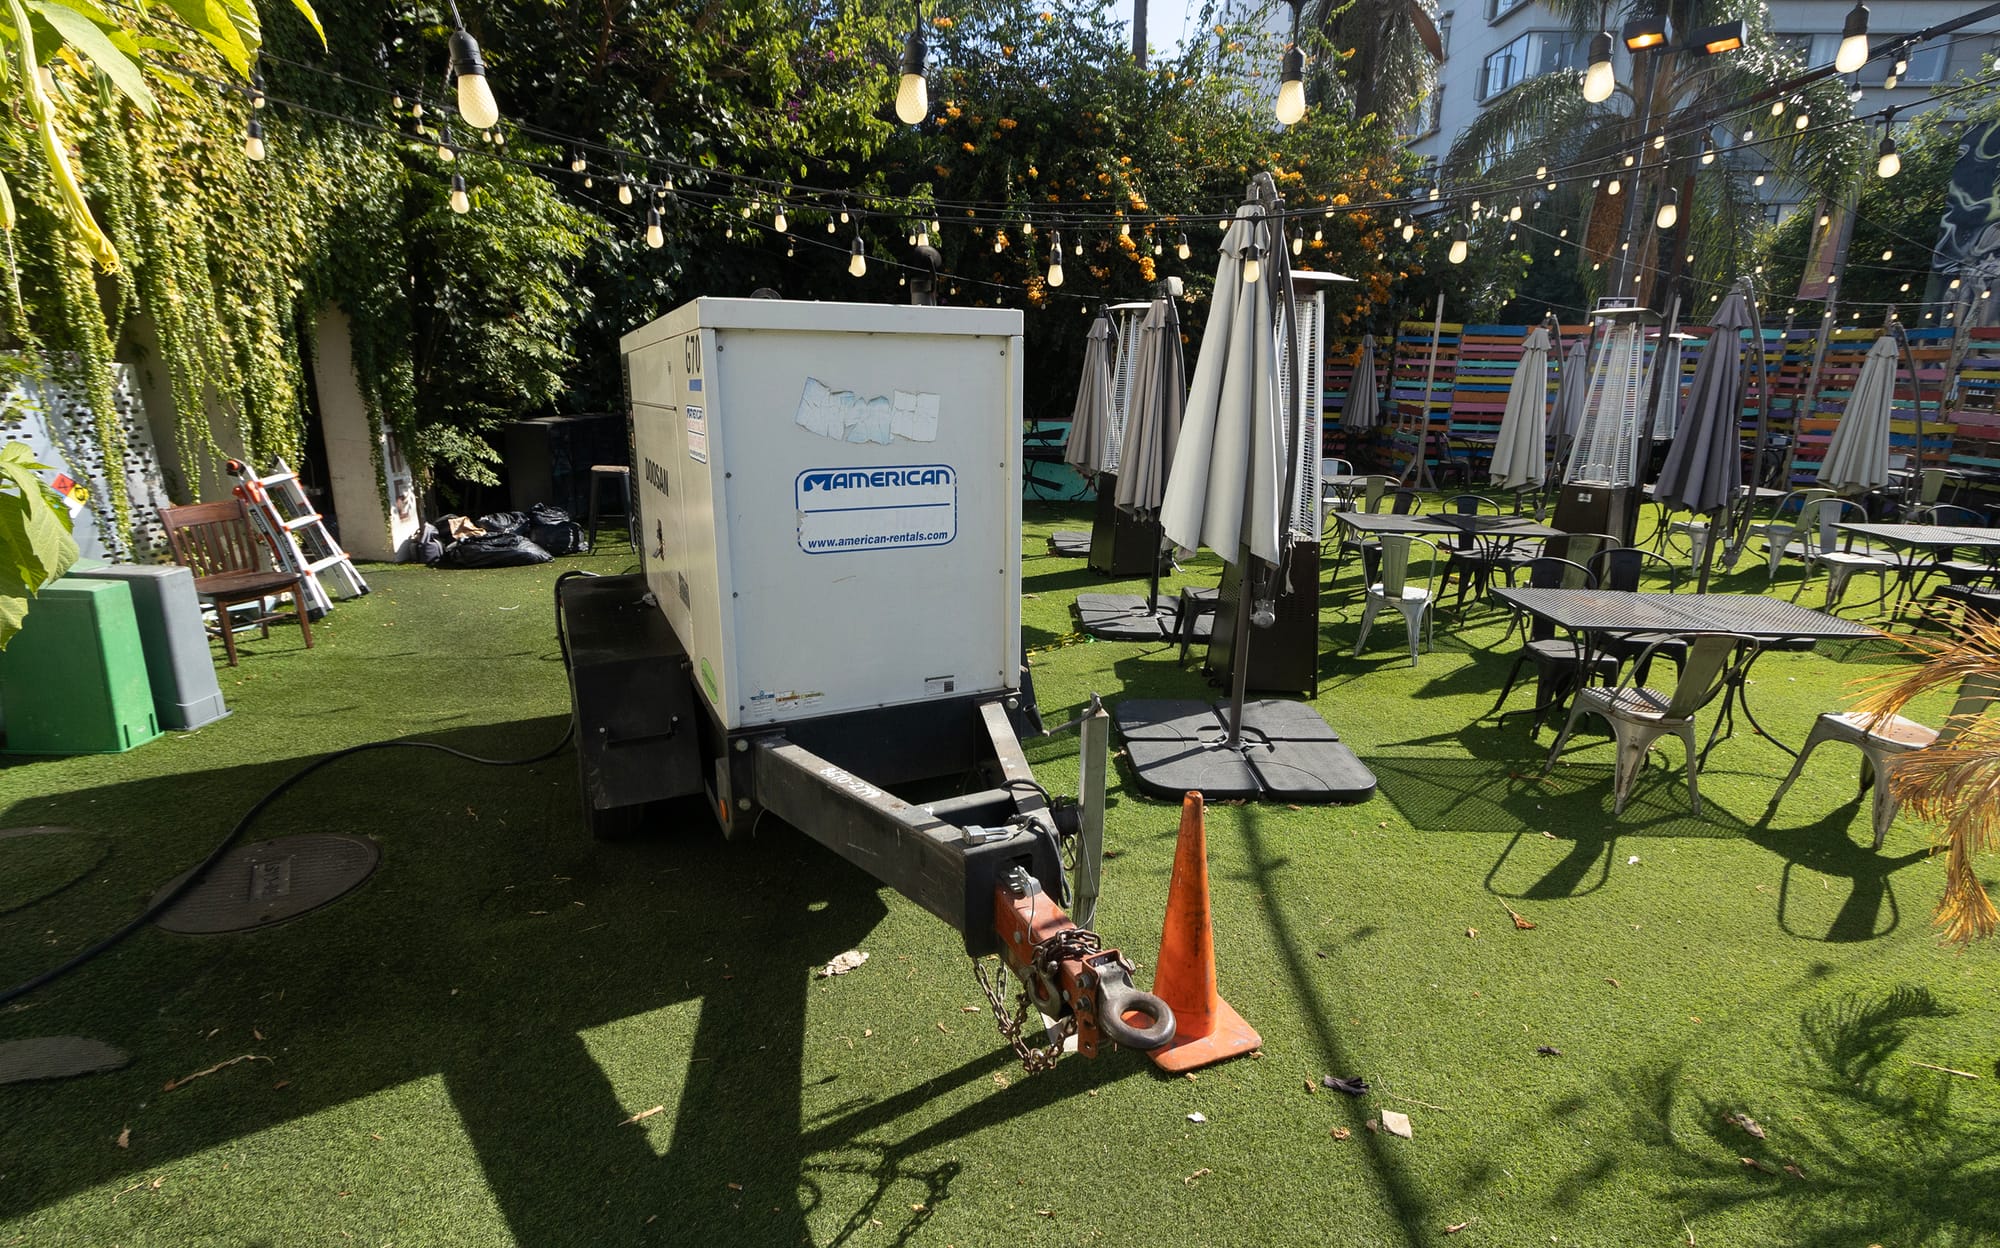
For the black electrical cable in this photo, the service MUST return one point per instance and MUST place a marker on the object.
(159, 904)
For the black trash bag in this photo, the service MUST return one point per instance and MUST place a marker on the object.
(429, 545)
(553, 530)
(504, 522)
(494, 550)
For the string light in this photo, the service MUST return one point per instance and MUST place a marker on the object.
(257, 99)
(1541, 171)
(1777, 108)
(446, 152)
(779, 221)
(1659, 140)
(1078, 249)
(1598, 80)
(1253, 261)
(1801, 121)
(460, 202)
(1670, 210)
(1514, 212)
(1887, 162)
(1613, 187)
(577, 164)
(624, 188)
(857, 259)
(913, 96)
(1409, 231)
(253, 140)
(1027, 229)
(1055, 275)
(1707, 151)
(1318, 237)
(656, 237)
(1459, 245)
(1853, 53)
(1298, 243)
(1291, 105)
(831, 228)
(475, 95)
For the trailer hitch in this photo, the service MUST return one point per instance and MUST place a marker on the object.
(1067, 975)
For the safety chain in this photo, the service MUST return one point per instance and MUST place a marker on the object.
(1063, 642)
(1012, 1028)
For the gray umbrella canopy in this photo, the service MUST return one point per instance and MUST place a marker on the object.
(1573, 387)
(1520, 456)
(1232, 438)
(1667, 416)
(1364, 393)
(1857, 457)
(1704, 468)
(1091, 417)
(1155, 401)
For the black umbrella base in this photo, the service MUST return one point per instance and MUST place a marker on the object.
(1124, 617)
(1287, 752)
(1070, 543)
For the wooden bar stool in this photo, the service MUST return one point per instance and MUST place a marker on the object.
(621, 475)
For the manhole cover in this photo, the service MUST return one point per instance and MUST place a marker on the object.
(38, 862)
(271, 881)
(56, 1057)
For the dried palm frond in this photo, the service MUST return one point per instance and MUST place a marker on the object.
(1955, 783)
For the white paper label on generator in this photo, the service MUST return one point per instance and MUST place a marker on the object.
(851, 509)
(846, 416)
(697, 425)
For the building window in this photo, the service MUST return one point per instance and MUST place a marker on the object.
(1927, 61)
(1497, 9)
(1808, 49)
(1432, 107)
(1528, 56)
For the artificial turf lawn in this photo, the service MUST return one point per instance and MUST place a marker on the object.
(453, 1047)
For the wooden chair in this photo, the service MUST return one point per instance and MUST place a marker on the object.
(215, 542)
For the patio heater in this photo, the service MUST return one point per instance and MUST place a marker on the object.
(1600, 491)
(1285, 657)
(1121, 544)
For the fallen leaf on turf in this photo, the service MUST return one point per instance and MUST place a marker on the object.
(1197, 1116)
(1633, 861)
(281, 1085)
(1614, 983)
(1001, 1081)
(1547, 1050)
(1519, 922)
(1312, 1088)
(256, 1034)
(867, 1032)
(1751, 1163)
(843, 963)
(125, 1138)
(1792, 1168)
(1341, 1133)
(1456, 1227)
(1353, 1085)
(1746, 1122)
(916, 1208)
(1550, 835)
(643, 1114)
(1471, 933)
(1190, 1180)
(735, 1187)
(1372, 1125)
(171, 1084)
(968, 1009)
(1396, 1123)
(154, 1186)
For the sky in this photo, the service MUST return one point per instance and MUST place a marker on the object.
(1168, 20)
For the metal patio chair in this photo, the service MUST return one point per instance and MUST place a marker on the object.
(1394, 589)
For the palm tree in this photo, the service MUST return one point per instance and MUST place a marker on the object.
(1546, 121)
(1390, 48)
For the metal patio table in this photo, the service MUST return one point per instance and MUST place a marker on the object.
(1446, 523)
(1595, 613)
(1914, 543)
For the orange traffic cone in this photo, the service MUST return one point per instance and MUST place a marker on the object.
(1206, 1028)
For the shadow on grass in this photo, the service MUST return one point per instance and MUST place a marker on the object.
(1861, 1144)
(1828, 849)
(483, 953)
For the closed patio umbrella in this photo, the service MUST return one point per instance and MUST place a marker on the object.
(1154, 406)
(1520, 455)
(1091, 417)
(1573, 387)
(1857, 456)
(1704, 467)
(1364, 393)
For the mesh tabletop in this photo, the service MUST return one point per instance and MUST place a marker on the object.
(1612, 611)
(1447, 522)
(1926, 534)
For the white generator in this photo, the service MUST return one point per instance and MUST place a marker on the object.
(829, 496)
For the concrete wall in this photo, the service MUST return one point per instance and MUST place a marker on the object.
(367, 529)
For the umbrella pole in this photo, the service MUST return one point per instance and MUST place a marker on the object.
(1418, 472)
(1716, 521)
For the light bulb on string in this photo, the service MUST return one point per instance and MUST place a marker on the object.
(1777, 108)
(1409, 231)
(1077, 250)
(1613, 187)
(923, 238)
(1291, 103)
(1888, 253)
(790, 249)
(396, 103)
(589, 182)
(1514, 212)
(913, 97)
(1159, 247)
(1669, 214)
(1459, 246)
(1298, 243)
(1027, 229)
(857, 259)
(1801, 121)
(1888, 163)
(1659, 140)
(1630, 160)
(779, 222)
(935, 227)
(745, 211)
(1853, 53)
(1055, 275)
(1598, 80)
(624, 189)
(253, 140)
(1181, 247)
(1758, 180)
(656, 237)
(1124, 229)
(461, 203)
(475, 95)
(1564, 232)
(1904, 288)
(1318, 237)
(257, 99)
(499, 138)
(577, 164)
(445, 150)
(998, 245)
(1541, 171)
(1253, 264)
(1707, 152)
(831, 228)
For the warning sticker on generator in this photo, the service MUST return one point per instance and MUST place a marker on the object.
(849, 509)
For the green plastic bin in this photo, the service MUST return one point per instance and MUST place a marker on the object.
(73, 680)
